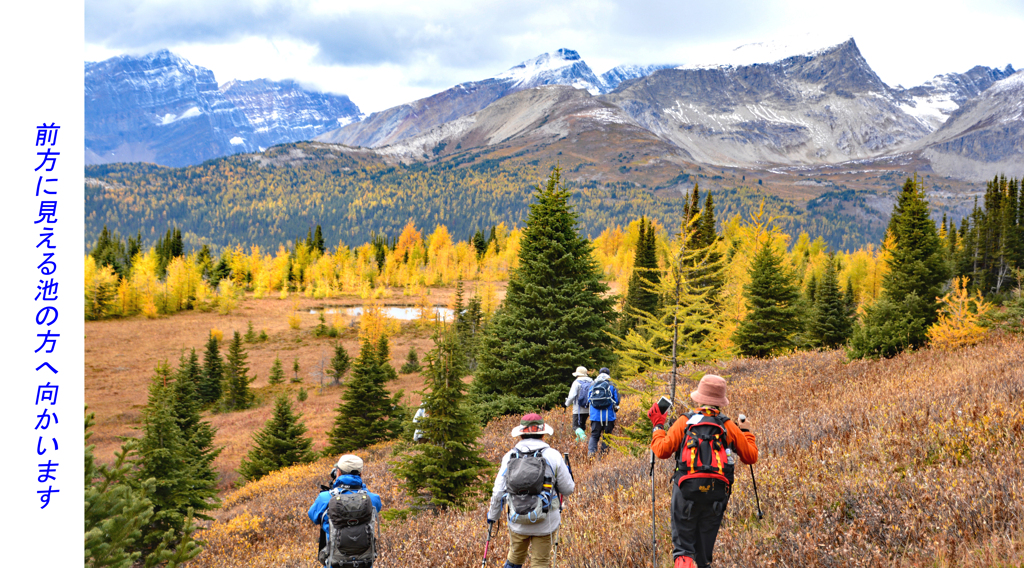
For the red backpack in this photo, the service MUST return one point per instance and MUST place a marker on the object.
(703, 450)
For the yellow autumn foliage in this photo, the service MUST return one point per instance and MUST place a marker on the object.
(959, 320)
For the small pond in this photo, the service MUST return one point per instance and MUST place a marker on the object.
(394, 312)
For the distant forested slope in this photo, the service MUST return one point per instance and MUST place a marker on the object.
(268, 199)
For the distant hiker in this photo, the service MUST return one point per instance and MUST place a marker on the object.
(347, 515)
(417, 436)
(707, 443)
(532, 478)
(604, 401)
(579, 397)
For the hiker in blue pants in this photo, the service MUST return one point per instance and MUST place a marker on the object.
(604, 401)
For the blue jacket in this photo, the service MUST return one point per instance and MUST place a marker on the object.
(350, 484)
(607, 414)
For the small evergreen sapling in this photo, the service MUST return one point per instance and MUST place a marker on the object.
(295, 369)
(412, 363)
(276, 372)
(340, 364)
(236, 377)
(279, 444)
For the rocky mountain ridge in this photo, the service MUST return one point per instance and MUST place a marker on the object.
(161, 108)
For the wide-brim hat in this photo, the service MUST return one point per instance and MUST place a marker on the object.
(580, 372)
(710, 391)
(349, 463)
(532, 424)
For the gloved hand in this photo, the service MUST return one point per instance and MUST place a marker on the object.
(490, 521)
(744, 423)
(657, 418)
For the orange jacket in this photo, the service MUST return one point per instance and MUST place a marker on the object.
(664, 444)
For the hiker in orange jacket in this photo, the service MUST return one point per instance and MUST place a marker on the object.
(707, 443)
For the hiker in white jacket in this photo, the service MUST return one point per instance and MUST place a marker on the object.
(538, 537)
(579, 413)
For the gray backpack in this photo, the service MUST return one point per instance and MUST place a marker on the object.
(528, 488)
(352, 518)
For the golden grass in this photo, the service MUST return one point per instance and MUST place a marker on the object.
(913, 461)
(121, 355)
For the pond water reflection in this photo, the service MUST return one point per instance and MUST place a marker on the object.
(394, 312)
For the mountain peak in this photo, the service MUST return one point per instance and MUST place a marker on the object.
(562, 67)
(775, 50)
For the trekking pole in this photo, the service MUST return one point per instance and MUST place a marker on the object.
(557, 534)
(654, 534)
(757, 499)
(487, 545)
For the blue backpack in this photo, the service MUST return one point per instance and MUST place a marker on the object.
(601, 395)
(583, 395)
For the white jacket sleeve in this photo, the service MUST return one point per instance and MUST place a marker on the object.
(573, 392)
(498, 493)
(564, 483)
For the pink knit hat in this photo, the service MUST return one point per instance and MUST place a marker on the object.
(711, 390)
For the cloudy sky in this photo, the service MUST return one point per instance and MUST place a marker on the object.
(387, 52)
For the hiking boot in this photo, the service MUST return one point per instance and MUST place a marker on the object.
(685, 562)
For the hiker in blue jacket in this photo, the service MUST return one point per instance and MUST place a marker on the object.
(602, 413)
(347, 477)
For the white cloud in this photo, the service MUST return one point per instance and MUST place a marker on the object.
(393, 51)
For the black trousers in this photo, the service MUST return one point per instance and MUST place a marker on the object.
(698, 506)
(580, 421)
(596, 428)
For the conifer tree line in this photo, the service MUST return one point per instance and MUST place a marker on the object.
(989, 244)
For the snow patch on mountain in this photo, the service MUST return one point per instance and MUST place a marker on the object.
(170, 118)
(930, 111)
(563, 67)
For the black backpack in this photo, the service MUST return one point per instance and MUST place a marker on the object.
(601, 395)
(702, 452)
(528, 488)
(352, 543)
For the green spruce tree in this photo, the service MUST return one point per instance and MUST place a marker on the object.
(772, 318)
(197, 433)
(365, 407)
(237, 396)
(340, 364)
(212, 380)
(641, 294)
(412, 363)
(556, 313)
(448, 471)
(276, 372)
(279, 444)
(161, 455)
(908, 303)
(831, 321)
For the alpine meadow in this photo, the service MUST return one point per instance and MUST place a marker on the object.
(342, 349)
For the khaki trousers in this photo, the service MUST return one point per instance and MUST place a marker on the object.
(539, 548)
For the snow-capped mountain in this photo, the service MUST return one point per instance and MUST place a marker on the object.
(562, 67)
(161, 108)
(612, 78)
(984, 136)
(934, 101)
(824, 106)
